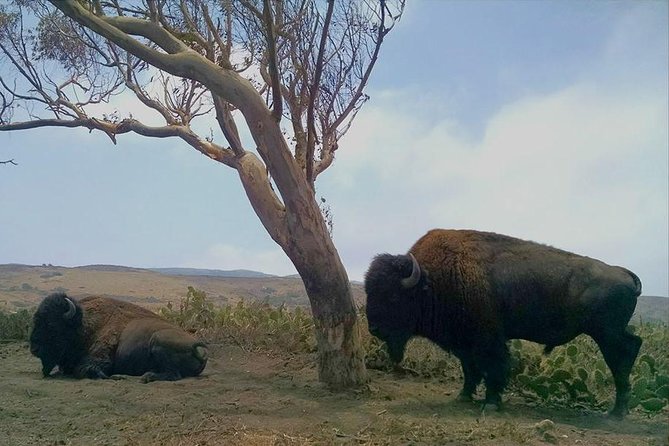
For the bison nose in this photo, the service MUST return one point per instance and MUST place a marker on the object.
(34, 350)
(374, 330)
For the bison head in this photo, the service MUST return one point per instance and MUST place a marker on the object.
(393, 285)
(55, 337)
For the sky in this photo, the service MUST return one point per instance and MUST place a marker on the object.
(544, 120)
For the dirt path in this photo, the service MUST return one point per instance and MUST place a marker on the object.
(254, 398)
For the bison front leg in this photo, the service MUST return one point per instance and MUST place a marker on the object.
(620, 351)
(495, 366)
(472, 376)
(93, 368)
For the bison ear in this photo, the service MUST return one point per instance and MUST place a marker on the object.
(412, 280)
(71, 310)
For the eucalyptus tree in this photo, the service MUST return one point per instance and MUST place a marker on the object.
(291, 73)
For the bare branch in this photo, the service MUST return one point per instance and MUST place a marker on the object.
(227, 124)
(311, 129)
(9, 162)
(277, 102)
(194, 33)
(218, 153)
(381, 33)
(145, 28)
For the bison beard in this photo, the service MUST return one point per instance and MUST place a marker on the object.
(470, 292)
(98, 336)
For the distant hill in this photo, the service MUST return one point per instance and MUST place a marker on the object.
(652, 309)
(245, 273)
(110, 268)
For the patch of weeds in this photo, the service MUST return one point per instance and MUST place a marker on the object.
(254, 325)
(16, 326)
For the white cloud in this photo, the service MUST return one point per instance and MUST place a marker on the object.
(581, 168)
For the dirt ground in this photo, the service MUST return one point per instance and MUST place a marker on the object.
(256, 398)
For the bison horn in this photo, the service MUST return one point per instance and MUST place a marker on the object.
(69, 314)
(412, 280)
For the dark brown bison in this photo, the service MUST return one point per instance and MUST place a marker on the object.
(469, 292)
(97, 337)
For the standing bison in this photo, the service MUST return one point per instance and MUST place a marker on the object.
(98, 336)
(470, 292)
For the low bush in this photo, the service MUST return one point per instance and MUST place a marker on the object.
(255, 325)
(576, 374)
(15, 326)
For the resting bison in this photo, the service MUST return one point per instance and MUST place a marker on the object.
(469, 292)
(98, 336)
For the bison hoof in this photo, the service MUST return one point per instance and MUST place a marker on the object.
(491, 407)
(464, 397)
(97, 374)
(148, 377)
(617, 414)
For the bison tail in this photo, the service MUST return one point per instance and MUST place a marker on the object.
(637, 282)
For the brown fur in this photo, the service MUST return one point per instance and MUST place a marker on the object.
(476, 290)
(106, 336)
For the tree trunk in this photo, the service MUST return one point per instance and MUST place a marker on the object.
(302, 234)
(341, 358)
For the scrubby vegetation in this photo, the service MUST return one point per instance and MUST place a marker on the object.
(573, 375)
(576, 374)
(15, 326)
(255, 325)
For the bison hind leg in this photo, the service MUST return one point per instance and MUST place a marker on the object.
(620, 351)
(174, 357)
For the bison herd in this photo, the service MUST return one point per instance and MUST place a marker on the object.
(467, 291)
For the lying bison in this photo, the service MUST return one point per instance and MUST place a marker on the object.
(469, 292)
(98, 336)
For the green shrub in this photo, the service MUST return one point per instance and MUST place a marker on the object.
(576, 374)
(195, 313)
(16, 326)
(255, 325)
